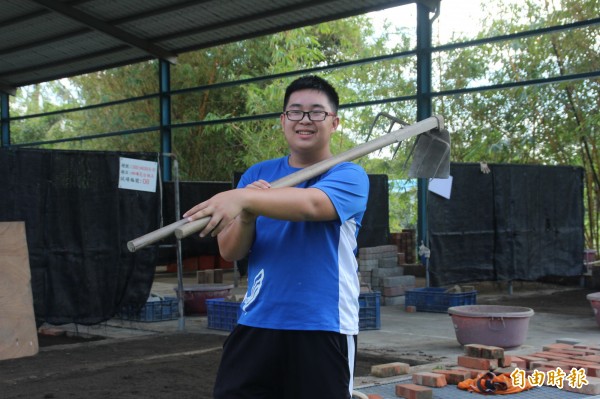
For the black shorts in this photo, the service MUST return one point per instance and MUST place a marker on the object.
(280, 364)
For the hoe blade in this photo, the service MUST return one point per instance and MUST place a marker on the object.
(431, 155)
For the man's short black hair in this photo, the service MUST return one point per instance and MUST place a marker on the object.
(312, 82)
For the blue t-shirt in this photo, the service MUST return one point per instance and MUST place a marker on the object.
(304, 275)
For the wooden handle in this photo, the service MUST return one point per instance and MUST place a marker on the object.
(191, 227)
(154, 236)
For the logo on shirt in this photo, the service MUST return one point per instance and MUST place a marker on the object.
(248, 299)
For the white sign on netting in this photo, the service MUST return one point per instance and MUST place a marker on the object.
(135, 174)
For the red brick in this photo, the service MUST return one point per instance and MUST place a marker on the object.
(518, 362)
(454, 376)
(505, 361)
(551, 355)
(565, 366)
(205, 276)
(51, 331)
(429, 379)
(587, 346)
(410, 309)
(477, 363)
(574, 352)
(473, 373)
(389, 369)
(484, 351)
(374, 396)
(473, 350)
(505, 370)
(591, 358)
(529, 359)
(555, 346)
(188, 264)
(206, 262)
(592, 388)
(224, 264)
(412, 391)
(545, 368)
(591, 369)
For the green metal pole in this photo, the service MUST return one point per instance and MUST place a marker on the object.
(4, 121)
(165, 118)
(423, 106)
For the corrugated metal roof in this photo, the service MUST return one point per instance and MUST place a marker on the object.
(43, 40)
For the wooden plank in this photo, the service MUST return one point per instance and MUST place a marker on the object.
(18, 332)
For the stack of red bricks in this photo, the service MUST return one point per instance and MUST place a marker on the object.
(380, 271)
(406, 243)
(479, 359)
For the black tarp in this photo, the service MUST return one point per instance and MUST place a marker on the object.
(375, 229)
(519, 222)
(190, 194)
(78, 223)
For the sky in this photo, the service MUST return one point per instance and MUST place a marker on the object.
(456, 17)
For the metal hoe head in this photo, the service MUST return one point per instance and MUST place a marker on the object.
(431, 155)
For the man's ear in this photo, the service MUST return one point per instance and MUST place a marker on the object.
(282, 120)
(335, 122)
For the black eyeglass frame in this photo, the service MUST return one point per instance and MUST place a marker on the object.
(310, 115)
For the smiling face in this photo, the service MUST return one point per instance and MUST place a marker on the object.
(308, 140)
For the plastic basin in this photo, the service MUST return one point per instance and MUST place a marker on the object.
(594, 299)
(195, 296)
(493, 325)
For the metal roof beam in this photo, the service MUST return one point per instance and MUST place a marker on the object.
(5, 88)
(432, 5)
(108, 29)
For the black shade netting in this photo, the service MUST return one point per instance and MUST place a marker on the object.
(190, 194)
(519, 222)
(78, 223)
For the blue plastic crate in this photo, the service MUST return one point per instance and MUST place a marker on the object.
(222, 314)
(368, 314)
(161, 310)
(436, 299)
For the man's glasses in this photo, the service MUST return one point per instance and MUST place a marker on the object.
(312, 115)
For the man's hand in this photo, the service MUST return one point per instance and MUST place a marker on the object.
(261, 184)
(223, 208)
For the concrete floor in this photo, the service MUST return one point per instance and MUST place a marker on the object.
(403, 335)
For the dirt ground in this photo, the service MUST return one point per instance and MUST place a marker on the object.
(177, 365)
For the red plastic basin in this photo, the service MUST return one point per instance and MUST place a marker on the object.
(594, 299)
(494, 325)
(195, 296)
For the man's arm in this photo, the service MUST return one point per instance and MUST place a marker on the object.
(236, 238)
(234, 212)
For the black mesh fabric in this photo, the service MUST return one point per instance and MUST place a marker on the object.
(78, 223)
(190, 194)
(519, 222)
(375, 229)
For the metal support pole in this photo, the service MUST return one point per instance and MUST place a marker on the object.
(423, 106)
(165, 118)
(4, 121)
(181, 324)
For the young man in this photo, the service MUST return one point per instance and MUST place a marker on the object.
(296, 337)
